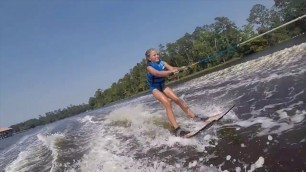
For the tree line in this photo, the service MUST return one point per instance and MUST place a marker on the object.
(50, 117)
(216, 42)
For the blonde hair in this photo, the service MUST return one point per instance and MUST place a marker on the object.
(148, 52)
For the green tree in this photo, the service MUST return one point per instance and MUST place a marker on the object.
(259, 18)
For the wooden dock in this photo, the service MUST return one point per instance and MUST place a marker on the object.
(5, 132)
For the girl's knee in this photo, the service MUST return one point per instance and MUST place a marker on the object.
(166, 102)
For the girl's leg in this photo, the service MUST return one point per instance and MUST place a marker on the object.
(166, 102)
(169, 93)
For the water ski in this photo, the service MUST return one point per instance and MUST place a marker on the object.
(207, 123)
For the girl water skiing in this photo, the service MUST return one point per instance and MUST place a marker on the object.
(157, 71)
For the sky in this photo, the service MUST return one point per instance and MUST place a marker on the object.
(57, 53)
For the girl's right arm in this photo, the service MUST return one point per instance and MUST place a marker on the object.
(157, 73)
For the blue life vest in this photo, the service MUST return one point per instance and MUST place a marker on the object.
(152, 80)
